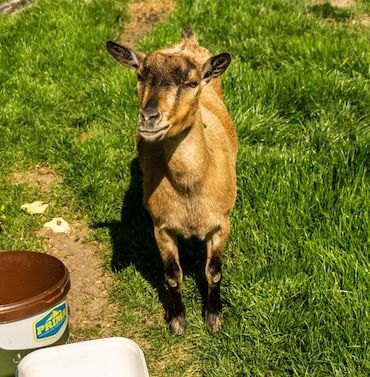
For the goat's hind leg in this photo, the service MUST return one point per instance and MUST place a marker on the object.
(175, 313)
(215, 248)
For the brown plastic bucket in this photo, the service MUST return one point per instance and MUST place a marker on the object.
(33, 305)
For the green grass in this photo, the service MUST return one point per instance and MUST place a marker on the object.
(296, 287)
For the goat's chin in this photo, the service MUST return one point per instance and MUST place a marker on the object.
(152, 136)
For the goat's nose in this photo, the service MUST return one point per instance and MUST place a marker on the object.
(150, 115)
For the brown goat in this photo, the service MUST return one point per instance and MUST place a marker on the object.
(187, 148)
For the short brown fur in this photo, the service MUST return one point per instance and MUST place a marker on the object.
(189, 169)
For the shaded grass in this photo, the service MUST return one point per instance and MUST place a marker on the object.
(297, 263)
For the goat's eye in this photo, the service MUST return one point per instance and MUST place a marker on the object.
(139, 77)
(191, 84)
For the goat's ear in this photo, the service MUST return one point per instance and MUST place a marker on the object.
(125, 55)
(215, 66)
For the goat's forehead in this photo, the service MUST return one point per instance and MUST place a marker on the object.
(175, 66)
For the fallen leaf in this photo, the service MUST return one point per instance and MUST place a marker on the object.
(58, 225)
(34, 208)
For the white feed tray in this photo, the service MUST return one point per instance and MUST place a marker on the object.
(110, 357)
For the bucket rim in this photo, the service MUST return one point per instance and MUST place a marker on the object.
(38, 303)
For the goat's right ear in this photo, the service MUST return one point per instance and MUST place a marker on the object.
(125, 55)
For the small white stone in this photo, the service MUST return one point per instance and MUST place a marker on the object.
(58, 225)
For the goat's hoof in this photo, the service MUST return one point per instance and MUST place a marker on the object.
(214, 322)
(178, 325)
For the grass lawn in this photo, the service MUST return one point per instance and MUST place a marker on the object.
(296, 286)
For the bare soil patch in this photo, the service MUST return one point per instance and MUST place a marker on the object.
(342, 3)
(335, 3)
(41, 177)
(143, 15)
(364, 20)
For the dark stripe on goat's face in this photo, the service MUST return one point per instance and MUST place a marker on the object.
(178, 94)
(153, 100)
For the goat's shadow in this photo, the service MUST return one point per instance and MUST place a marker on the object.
(134, 244)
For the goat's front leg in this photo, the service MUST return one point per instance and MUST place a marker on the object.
(167, 244)
(215, 248)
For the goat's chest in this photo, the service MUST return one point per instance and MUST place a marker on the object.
(195, 213)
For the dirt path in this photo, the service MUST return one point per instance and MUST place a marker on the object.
(143, 15)
(90, 308)
(90, 283)
(13, 6)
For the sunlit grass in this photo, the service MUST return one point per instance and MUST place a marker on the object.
(296, 285)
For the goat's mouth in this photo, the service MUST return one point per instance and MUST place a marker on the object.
(152, 134)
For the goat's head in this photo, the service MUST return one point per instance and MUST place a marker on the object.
(169, 87)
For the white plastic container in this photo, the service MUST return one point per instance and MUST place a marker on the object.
(109, 357)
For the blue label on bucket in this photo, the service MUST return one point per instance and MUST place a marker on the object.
(49, 325)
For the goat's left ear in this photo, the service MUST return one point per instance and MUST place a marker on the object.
(215, 66)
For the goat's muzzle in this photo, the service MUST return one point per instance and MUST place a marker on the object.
(150, 117)
(150, 126)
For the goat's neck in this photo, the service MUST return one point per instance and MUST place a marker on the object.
(187, 156)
